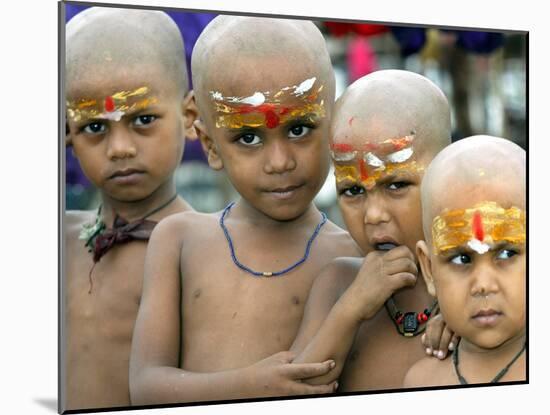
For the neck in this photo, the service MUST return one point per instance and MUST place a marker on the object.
(414, 298)
(137, 209)
(473, 357)
(509, 347)
(244, 210)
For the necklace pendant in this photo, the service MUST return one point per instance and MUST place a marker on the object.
(410, 324)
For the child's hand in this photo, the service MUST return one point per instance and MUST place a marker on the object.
(438, 339)
(276, 375)
(382, 273)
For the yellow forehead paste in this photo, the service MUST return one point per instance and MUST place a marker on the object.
(262, 109)
(369, 178)
(476, 227)
(111, 107)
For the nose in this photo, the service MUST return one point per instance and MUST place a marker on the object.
(375, 209)
(485, 279)
(120, 143)
(279, 157)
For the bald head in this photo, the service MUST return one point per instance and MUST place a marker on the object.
(102, 40)
(231, 49)
(472, 170)
(393, 103)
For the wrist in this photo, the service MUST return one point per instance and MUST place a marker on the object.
(348, 308)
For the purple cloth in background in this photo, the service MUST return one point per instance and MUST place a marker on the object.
(191, 25)
(412, 39)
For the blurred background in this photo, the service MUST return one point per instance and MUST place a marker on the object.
(483, 74)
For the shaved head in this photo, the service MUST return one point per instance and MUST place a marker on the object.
(102, 40)
(393, 103)
(231, 48)
(475, 169)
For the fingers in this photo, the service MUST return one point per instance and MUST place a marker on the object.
(438, 339)
(285, 357)
(401, 251)
(401, 265)
(402, 279)
(305, 389)
(434, 329)
(309, 370)
(454, 342)
(443, 348)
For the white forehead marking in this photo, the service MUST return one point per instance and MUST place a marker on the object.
(478, 246)
(304, 86)
(348, 156)
(372, 160)
(255, 99)
(113, 116)
(216, 95)
(400, 156)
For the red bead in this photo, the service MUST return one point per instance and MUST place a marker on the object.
(399, 319)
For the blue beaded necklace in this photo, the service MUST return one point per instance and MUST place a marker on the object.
(268, 274)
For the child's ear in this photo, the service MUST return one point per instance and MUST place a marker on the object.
(190, 113)
(208, 145)
(423, 255)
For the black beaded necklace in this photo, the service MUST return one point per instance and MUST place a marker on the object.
(496, 378)
(411, 323)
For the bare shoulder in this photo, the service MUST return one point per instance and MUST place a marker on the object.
(75, 219)
(186, 225)
(338, 274)
(340, 241)
(428, 371)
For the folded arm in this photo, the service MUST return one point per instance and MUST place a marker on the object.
(154, 373)
(349, 291)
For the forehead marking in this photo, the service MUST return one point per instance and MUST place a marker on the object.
(109, 104)
(477, 226)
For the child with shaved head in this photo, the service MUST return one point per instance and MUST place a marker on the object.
(473, 260)
(224, 293)
(128, 112)
(387, 128)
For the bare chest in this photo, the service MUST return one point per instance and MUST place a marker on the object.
(380, 357)
(102, 301)
(232, 318)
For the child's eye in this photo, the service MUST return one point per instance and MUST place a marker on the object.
(506, 253)
(460, 259)
(94, 128)
(249, 139)
(144, 120)
(353, 191)
(298, 131)
(398, 185)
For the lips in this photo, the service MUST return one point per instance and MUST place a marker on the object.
(487, 317)
(126, 176)
(284, 192)
(124, 173)
(383, 243)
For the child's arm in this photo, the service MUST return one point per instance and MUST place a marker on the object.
(380, 275)
(154, 373)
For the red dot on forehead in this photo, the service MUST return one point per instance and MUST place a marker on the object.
(109, 104)
(477, 226)
(271, 119)
(363, 170)
(342, 148)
